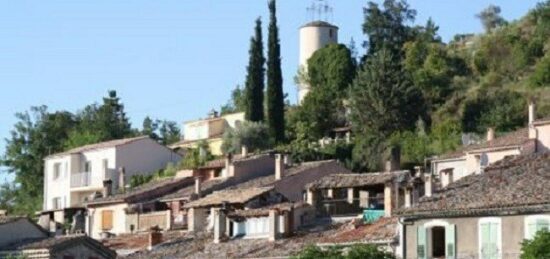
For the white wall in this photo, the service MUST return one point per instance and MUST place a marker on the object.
(459, 169)
(543, 143)
(144, 157)
(95, 220)
(58, 187)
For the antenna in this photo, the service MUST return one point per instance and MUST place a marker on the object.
(320, 10)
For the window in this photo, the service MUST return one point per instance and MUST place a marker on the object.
(436, 239)
(88, 166)
(107, 220)
(57, 203)
(536, 223)
(490, 245)
(330, 33)
(56, 171)
(217, 173)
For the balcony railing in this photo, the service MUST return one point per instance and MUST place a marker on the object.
(83, 179)
(372, 215)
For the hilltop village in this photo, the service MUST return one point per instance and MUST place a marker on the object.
(369, 164)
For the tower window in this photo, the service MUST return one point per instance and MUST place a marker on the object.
(330, 33)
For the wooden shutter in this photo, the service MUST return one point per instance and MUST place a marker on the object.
(421, 242)
(107, 220)
(450, 240)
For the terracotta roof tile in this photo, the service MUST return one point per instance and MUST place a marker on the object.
(354, 179)
(234, 196)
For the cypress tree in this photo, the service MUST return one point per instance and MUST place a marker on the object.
(275, 95)
(254, 89)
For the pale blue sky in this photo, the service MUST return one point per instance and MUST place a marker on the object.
(172, 59)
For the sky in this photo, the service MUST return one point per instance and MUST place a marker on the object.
(168, 59)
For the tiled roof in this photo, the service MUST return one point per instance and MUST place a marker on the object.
(264, 211)
(356, 180)
(206, 188)
(102, 145)
(148, 191)
(384, 230)
(518, 184)
(512, 139)
(236, 196)
(55, 243)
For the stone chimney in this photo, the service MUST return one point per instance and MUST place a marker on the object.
(198, 186)
(244, 151)
(393, 163)
(107, 187)
(428, 184)
(532, 111)
(490, 134)
(418, 171)
(279, 166)
(121, 178)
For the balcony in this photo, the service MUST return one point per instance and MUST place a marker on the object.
(372, 215)
(83, 179)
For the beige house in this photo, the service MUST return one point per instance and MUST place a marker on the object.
(208, 130)
(76, 176)
(473, 159)
(481, 215)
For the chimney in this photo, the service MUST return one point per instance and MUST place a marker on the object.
(532, 111)
(418, 171)
(121, 178)
(393, 163)
(198, 186)
(244, 151)
(428, 185)
(279, 166)
(107, 187)
(490, 134)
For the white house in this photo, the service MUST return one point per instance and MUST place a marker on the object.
(73, 177)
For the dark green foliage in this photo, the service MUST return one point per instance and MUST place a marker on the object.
(386, 28)
(340, 252)
(163, 131)
(541, 75)
(254, 85)
(275, 95)
(253, 135)
(490, 18)
(538, 247)
(237, 103)
(500, 109)
(330, 72)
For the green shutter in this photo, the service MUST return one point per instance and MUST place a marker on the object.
(489, 240)
(450, 240)
(421, 242)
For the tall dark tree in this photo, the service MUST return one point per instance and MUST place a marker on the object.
(490, 18)
(254, 89)
(275, 95)
(386, 28)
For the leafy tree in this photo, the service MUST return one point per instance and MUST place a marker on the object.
(254, 89)
(275, 95)
(445, 136)
(383, 101)
(541, 77)
(330, 72)
(386, 27)
(538, 247)
(78, 138)
(490, 18)
(35, 135)
(253, 135)
(359, 251)
(169, 132)
(368, 251)
(237, 103)
(149, 128)
(196, 157)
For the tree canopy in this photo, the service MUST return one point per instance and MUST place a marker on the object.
(254, 85)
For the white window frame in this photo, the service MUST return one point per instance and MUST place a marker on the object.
(499, 234)
(532, 218)
(57, 171)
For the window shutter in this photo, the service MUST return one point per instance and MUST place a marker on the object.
(421, 242)
(450, 239)
(489, 240)
(107, 220)
(531, 228)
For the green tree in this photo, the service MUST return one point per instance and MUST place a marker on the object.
(149, 127)
(275, 95)
(383, 101)
(254, 89)
(386, 28)
(490, 18)
(538, 247)
(253, 135)
(169, 132)
(330, 72)
(35, 135)
(541, 77)
(237, 103)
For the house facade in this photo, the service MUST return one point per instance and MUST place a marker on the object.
(481, 216)
(473, 159)
(74, 177)
(208, 130)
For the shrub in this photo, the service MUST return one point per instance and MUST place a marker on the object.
(541, 77)
(538, 247)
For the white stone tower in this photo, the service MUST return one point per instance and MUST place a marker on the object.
(313, 36)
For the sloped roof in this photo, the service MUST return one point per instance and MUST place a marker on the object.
(509, 140)
(516, 184)
(384, 230)
(102, 145)
(206, 187)
(235, 196)
(319, 24)
(357, 180)
(264, 211)
(148, 191)
(56, 243)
